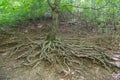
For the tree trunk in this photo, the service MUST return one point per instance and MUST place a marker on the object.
(55, 10)
(52, 34)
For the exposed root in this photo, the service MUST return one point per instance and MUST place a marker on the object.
(36, 51)
(57, 52)
(51, 51)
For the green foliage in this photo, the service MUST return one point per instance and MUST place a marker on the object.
(15, 11)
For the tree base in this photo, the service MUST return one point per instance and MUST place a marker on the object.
(51, 37)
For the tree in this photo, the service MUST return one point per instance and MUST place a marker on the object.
(55, 10)
(51, 49)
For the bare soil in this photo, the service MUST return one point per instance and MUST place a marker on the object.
(11, 69)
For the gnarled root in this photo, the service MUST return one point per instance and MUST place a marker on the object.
(57, 51)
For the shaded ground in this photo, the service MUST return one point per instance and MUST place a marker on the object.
(11, 69)
(85, 71)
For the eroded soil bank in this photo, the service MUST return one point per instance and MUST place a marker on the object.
(11, 69)
(86, 71)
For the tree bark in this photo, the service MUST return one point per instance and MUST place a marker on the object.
(55, 11)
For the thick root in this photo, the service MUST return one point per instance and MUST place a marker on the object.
(57, 52)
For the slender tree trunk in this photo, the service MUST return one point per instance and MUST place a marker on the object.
(55, 11)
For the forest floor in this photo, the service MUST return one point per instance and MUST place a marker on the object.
(11, 69)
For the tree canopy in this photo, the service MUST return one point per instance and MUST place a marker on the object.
(15, 11)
